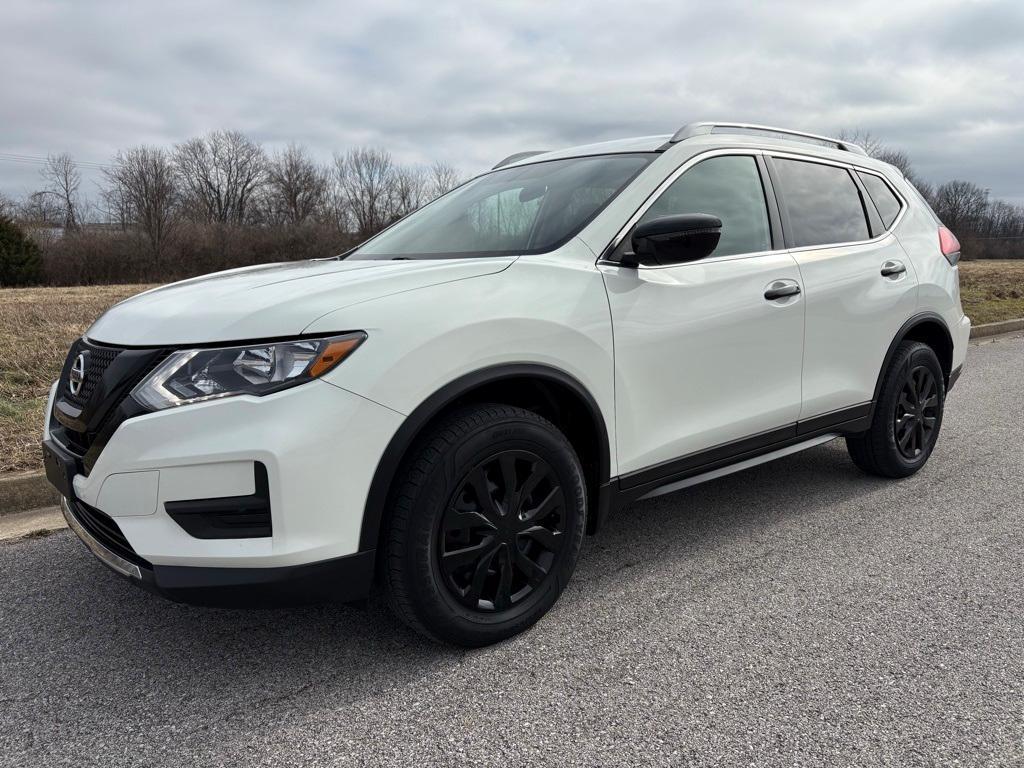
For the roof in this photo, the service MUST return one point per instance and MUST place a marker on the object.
(699, 133)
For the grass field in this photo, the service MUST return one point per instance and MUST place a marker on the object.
(992, 290)
(38, 324)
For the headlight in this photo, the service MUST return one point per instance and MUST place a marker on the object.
(194, 375)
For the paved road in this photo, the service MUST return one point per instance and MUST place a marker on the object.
(795, 614)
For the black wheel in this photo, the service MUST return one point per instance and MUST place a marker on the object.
(486, 526)
(907, 416)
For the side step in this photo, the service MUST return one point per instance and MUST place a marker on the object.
(739, 466)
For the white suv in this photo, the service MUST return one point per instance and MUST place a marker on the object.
(448, 408)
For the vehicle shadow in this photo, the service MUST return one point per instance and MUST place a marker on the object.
(75, 627)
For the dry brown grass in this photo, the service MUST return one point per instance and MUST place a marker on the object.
(992, 290)
(37, 325)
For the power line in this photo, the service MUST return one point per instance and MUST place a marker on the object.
(12, 157)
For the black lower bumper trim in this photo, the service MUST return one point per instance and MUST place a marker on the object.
(343, 579)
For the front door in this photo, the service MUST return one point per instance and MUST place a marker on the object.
(708, 352)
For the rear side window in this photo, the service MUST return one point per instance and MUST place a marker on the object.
(728, 187)
(885, 199)
(823, 203)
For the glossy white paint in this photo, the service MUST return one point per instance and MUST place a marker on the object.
(548, 310)
(677, 359)
(319, 443)
(938, 284)
(853, 313)
(269, 301)
(701, 358)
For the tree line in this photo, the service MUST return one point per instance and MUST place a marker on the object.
(222, 200)
(987, 228)
(212, 202)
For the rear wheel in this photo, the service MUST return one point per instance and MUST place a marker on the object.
(907, 416)
(485, 527)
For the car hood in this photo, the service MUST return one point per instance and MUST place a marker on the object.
(271, 300)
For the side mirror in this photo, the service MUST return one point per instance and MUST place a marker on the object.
(674, 239)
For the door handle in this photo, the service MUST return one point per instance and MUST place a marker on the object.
(780, 290)
(893, 268)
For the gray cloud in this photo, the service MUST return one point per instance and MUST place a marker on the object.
(470, 82)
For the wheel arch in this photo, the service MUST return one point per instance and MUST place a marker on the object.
(563, 399)
(928, 328)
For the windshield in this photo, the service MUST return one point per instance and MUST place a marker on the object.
(527, 209)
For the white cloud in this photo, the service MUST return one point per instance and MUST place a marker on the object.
(470, 82)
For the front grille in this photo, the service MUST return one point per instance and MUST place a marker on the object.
(83, 422)
(99, 359)
(106, 532)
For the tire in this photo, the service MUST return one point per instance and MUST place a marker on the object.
(907, 417)
(486, 525)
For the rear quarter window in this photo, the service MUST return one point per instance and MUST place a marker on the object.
(885, 200)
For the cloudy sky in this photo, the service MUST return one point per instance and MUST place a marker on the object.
(470, 82)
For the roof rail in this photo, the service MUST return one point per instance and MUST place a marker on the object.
(517, 157)
(702, 129)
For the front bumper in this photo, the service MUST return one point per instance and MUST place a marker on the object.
(319, 445)
(342, 579)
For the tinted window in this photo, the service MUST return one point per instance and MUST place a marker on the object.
(885, 199)
(823, 202)
(526, 209)
(728, 187)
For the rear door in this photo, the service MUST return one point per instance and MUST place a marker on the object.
(702, 356)
(859, 286)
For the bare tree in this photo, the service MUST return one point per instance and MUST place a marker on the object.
(8, 207)
(40, 209)
(63, 179)
(296, 186)
(143, 182)
(864, 139)
(365, 178)
(117, 207)
(961, 205)
(220, 174)
(409, 191)
(444, 177)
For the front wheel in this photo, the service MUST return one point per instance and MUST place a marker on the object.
(907, 416)
(485, 527)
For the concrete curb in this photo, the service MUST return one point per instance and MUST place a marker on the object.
(26, 490)
(993, 329)
(35, 522)
(29, 490)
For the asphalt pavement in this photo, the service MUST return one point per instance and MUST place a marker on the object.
(798, 613)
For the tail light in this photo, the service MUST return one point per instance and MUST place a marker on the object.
(950, 245)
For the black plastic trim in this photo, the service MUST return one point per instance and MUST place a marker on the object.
(227, 517)
(842, 417)
(954, 376)
(676, 469)
(628, 488)
(342, 579)
(876, 228)
(391, 459)
(772, 201)
(901, 334)
(787, 227)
